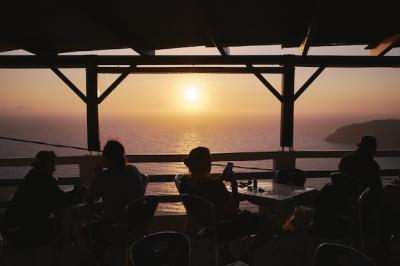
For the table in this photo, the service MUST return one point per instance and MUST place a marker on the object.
(279, 201)
(275, 195)
(71, 219)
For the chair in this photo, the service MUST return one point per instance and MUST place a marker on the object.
(348, 183)
(202, 212)
(178, 183)
(2, 250)
(292, 177)
(361, 209)
(138, 215)
(329, 254)
(162, 248)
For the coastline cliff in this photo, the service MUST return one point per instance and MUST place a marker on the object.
(386, 131)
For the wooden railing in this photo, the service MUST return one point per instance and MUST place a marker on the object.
(279, 160)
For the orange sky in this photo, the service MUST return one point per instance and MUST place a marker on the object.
(336, 91)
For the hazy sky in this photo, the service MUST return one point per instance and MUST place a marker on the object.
(336, 91)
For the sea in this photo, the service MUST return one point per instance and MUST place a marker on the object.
(174, 134)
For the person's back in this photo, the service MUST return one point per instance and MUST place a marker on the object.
(119, 185)
(117, 189)
(362, 165)
(333, 212)
(211, 189)
(36, 199)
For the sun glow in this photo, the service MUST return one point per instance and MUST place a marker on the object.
(191, 94)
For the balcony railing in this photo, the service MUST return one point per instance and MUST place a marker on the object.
(279, 160)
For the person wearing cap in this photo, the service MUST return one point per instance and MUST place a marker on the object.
(32, 207)
(118, 185)
(361, 165)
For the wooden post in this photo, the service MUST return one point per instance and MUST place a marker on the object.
(284, 160)
(92, 109)
(287, 107)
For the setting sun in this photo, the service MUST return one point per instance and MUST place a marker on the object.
(191, 94)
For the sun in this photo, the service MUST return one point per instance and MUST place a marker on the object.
(191, 94)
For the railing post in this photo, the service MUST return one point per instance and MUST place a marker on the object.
(92, 108)
(287, 107)
(284, 160)
(88, 168)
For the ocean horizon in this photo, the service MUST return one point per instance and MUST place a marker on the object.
(160, 134)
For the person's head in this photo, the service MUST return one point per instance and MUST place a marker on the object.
(199, 161)
(114, 155)
(45, 161)
(368, 145)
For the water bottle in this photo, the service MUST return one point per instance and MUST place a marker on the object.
(255, 183)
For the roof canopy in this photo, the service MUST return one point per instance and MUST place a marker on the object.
(52, 27)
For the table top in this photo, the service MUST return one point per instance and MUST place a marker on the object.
(276, 196)
(275, 191)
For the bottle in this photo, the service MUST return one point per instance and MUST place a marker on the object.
(254, 183)
(232, 178)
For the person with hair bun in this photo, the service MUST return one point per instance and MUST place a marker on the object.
(199, 182)
(118, 185)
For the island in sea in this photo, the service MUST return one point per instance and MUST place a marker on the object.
(386, 131)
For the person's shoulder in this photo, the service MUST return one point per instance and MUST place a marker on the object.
(351, 155)
(213, 182)
(132, 170)
(185, 180)
(30, 175)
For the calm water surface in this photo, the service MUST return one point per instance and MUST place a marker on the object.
(167, 135)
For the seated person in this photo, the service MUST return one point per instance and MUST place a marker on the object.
(199, 183)
(335, 206)
(237, 223)
(35, 201)
(226, 204)
(361, 164)
(119, 185)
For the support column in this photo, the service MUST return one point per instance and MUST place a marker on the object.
(92, 109)
(287, 107)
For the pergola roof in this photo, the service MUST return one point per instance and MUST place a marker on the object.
(52, 27)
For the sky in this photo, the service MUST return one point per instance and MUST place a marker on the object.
(336, 91)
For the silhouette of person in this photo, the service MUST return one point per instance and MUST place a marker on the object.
(118, 185)
(35, 201)
(200, 183)
(237, 223)
(361, 165)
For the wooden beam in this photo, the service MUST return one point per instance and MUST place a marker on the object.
(258, 75)
(287, 109)
(104, 15)
(264, 81)
(309, 81)
(92, 109)
(116, 82)
(69, 83)
(224, 51)
(385, 46)
(305, 45)
(81, 61)
(184, 70)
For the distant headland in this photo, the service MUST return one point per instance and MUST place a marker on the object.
(386, 131)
